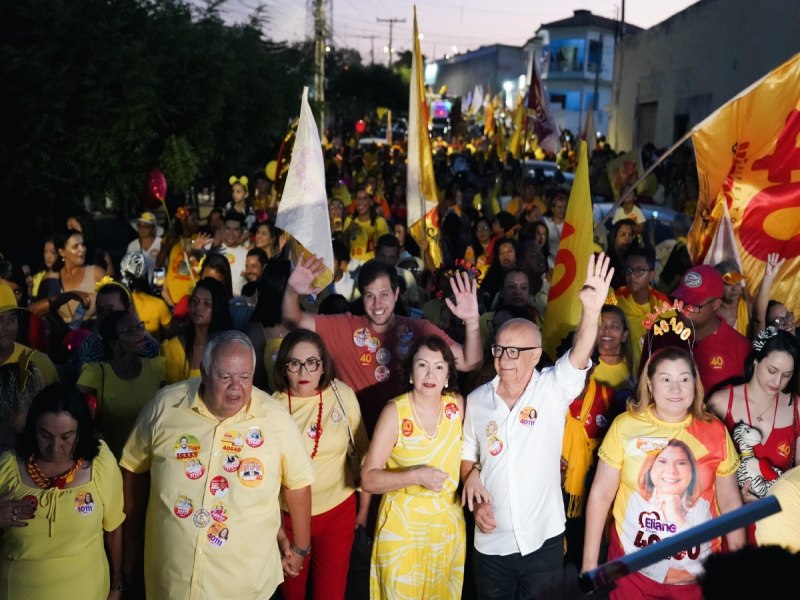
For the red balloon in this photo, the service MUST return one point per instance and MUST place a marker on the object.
(361, 127)
(157, 185)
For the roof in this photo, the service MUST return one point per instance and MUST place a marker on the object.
(585, 18)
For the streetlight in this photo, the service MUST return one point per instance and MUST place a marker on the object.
(508, 87)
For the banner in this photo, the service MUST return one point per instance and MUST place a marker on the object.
(544, 126)
(748, 158)
(421, 199)
(303, 210)
(564, 308)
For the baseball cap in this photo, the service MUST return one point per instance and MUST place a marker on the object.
(699, 284)
(148, 218)
(8, 301)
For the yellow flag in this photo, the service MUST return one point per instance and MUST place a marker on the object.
(515, 146)
(748, 158)
(421, 199)
(572, 260)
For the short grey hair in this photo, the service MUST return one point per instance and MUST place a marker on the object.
(225, 338)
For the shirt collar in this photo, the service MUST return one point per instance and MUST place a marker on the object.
(193, 401)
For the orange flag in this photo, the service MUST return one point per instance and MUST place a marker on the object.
(748, 158)
(421, 199)
(572, 260)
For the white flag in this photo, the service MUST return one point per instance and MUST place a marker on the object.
(303, 210)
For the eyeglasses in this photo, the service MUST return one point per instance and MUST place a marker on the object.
(482, 228)
(638, 272)
(511, 351)
(696, 308)
(787, 319)
(311, 365)
(132, 330)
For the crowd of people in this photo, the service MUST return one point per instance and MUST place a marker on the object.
(236, 431)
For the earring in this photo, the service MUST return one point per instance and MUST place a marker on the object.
(411, 380)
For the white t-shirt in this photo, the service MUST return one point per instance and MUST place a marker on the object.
(519, 451)
(236, 257)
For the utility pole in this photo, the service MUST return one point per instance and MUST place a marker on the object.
(319, 62)
(391, 23)
(371, 39)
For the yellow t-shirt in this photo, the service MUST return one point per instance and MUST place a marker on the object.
(178, 279)
(176, 366)
(60, 554)
(120, 400)
(614, 376)
(153, 312)
(42, 362)
(362, 244)
(213, 513)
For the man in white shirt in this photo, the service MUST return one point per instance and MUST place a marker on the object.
(235, 252)
(148, 241)
(511, 455)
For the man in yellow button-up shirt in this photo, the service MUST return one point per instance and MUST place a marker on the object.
(216, 452)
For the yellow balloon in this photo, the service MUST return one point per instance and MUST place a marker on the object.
(270, 169)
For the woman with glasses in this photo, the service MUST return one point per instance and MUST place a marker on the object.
(327, 413)
(414, 461)
(479, 253)
(124, 382)
(762, 413)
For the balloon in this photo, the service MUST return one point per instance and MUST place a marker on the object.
(270, 169)
(361, 127)
(157, 185)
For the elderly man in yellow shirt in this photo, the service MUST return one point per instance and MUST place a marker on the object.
(215, 454)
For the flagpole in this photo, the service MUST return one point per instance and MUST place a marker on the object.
(631, 189)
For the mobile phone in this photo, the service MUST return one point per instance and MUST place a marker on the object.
(158, 278)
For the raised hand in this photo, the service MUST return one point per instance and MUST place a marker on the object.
(772, 266)
(465, 291)
(598, 280)
(305, 271)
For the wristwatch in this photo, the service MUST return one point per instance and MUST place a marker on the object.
(301, 551)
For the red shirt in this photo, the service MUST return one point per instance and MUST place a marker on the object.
(720, 356)
(369, 362)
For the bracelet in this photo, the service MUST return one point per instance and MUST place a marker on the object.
(301, 551)
(117, 587)
(475, 466)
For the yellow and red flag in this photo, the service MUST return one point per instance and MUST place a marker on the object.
(516, 145)
(748, 158)
(421, 198)
(572, 260)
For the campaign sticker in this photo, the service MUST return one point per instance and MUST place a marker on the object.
(408, 427)
(365, 359)
(404, 334)
(336, 416)
(360, 337)
(84, 503)
(230, 462)
(254, 438)
(402, 350)
(373, 344)
(219, 487)
(527, 416)
(217, 535)
(251, 472)
(183, 507)
(187, 447)
(201, 518)
(312, 431)
(382, 373)
(451, 411)
(495, 445)
(232, 442)
(383, 356)
(194, 469)
(219, 513)
(32, 500)
(491, 428)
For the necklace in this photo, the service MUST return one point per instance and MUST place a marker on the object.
(419, 421)
(759, 418)
(318, 430)
(58, 481)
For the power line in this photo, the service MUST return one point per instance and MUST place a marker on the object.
(391, 23)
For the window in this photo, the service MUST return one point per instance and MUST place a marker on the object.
(566, 56)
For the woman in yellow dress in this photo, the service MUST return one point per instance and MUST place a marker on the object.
(414, 461)
(60, 506)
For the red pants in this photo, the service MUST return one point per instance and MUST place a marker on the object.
(332, 534)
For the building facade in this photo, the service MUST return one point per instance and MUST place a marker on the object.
(673, 75)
